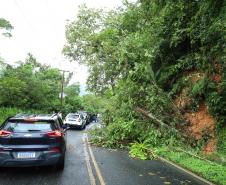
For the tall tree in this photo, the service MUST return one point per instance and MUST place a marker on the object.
(6, 26)
(30, 85)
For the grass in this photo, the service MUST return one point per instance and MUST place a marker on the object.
(213, 172)
(222, 141)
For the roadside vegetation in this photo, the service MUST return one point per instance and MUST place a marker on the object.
(159, 67)
(209, 170)
(7, 112)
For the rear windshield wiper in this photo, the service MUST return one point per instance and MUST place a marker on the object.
(33, 130)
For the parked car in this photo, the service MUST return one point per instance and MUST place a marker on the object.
(75, 120)
(33, 140)
(86, 116)
(93, 118)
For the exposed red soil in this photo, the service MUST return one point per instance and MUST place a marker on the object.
(183, 100)
(211, 146)
(216, 78)
(202, 124)
(200, 121)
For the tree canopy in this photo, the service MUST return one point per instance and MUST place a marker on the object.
(6, 26)
(30, 85)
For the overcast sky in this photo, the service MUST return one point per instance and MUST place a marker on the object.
(39, 28)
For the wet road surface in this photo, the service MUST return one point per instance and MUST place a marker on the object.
(87, 165)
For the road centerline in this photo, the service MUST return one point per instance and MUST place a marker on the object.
(88, 164)
(96, 167)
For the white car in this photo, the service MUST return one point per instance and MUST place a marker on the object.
(75, 120)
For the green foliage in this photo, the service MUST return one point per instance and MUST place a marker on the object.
(30, 85)
(160, 137)
(140, 151)
(72, 90)
(148, 43)
(5, 25)
(199, 88)
(120, 133)
(72, 101)
(117, 134)
(216, 103)
(143, 55)
(92, 103)
(222, 141)
(72, 104)
(11, 89)
(210, 171)
(6, 112)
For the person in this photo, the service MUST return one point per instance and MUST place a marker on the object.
(60, 114)
(94, 118)
(98, 118)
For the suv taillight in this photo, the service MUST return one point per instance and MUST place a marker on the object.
(4, 133)
(55, 149)
(55, 133)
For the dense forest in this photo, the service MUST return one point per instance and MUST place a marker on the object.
(160, 66)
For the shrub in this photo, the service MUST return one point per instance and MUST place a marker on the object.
(6, 112)
(139, 150)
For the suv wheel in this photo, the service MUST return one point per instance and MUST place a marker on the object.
(60, 164)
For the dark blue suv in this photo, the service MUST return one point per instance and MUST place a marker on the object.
(33, 140)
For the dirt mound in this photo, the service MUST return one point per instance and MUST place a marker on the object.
(211, 146)
(202, 124)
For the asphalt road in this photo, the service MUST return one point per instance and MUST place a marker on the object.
(86, 165)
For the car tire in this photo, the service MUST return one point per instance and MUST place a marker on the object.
(60, 164)
(82, 127)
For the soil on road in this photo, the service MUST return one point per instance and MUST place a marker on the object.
(86, 165)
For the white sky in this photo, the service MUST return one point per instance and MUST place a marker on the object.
(39, 28)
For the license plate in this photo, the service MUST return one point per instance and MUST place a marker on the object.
(26, 155)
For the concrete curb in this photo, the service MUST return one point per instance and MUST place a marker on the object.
(186, 171)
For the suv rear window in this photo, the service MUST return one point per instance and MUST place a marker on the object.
(23, 126)
(73, 116)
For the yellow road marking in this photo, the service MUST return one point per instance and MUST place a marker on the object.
(150, 173)
(97, 169)
(167, 182)
(88, 165)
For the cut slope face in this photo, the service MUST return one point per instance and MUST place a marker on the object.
(202, 124)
